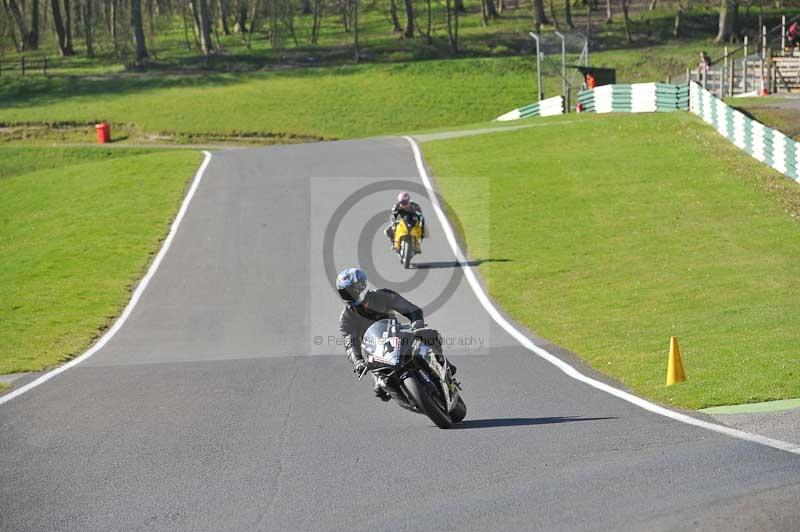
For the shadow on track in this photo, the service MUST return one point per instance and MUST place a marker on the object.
(453, 263)
(521, 421)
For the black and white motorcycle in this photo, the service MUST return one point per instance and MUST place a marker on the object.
(410, 366)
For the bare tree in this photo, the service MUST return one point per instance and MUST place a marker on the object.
(626, 21)
(451, 20)
(568, 15)
(203, 21)
(539, 17)
(138, 31)
(68, 25)
(64, 46)
(408, 32)
(32, 42)
(15, 12)
(609, 13)
(676, 28)
(88, 27)
(240, 26)
(393, 16)
(728, 20)
(356, 49)
(316, 22)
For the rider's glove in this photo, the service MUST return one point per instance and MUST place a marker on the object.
(418, 324)
(359, 366)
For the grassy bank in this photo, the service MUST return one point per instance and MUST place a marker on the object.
(781, 113)
(622, 231)
(77, 229)
(309, 103)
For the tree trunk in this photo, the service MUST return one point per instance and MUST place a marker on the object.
(727, 20)
(138, 31)
(491, 9)
(305, 7)
(88, 29)
(241, 17)
(676, 29)
(459, 6)
(609, 14)
(58, 24)
(393, 16)
(253, 21)
(200, 9)
(68, 27)
(356, 50)
(653, 4)
(316, 22)
(568, 15)
(428, 38)
(626, 21)
(553, 14)
(114, 16)
(408, 33)
(538, 14)
(451, 17)
(33, 34)
(222, 14)
(15, 11)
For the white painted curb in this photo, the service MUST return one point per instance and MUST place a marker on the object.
(137, 294)
(560, 364)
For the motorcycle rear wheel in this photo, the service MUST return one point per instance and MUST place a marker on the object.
(418, 391)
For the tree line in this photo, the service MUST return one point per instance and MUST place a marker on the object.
(127, 25)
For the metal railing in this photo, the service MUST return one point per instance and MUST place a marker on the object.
(25, 65)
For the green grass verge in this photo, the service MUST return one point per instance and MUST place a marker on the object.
(621, 231)
(77, 229)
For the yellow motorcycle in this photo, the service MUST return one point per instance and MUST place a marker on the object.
(408, 238)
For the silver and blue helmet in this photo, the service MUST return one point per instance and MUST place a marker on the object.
(352, 285)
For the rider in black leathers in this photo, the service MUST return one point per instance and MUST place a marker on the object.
(365, 307)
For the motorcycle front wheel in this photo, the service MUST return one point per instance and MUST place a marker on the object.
(429, 405)
(459, 411)
(406, 252)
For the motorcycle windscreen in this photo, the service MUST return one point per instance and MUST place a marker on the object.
(381, 342)
(410, 220)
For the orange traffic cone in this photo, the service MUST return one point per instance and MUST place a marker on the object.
(675, 371)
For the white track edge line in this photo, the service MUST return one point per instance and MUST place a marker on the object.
(134, 298)
(551, 358)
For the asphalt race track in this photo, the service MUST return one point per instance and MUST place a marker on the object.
(225, 403)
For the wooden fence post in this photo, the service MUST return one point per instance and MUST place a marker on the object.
(22, 62)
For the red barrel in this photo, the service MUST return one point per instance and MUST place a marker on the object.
(103, 133)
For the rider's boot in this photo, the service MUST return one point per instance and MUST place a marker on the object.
(380, 393)
(389, 232)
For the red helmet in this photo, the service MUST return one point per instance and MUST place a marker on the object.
(404, 198)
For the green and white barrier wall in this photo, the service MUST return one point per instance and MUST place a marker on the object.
(767, 145)
(549, 107)
(635, 98)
